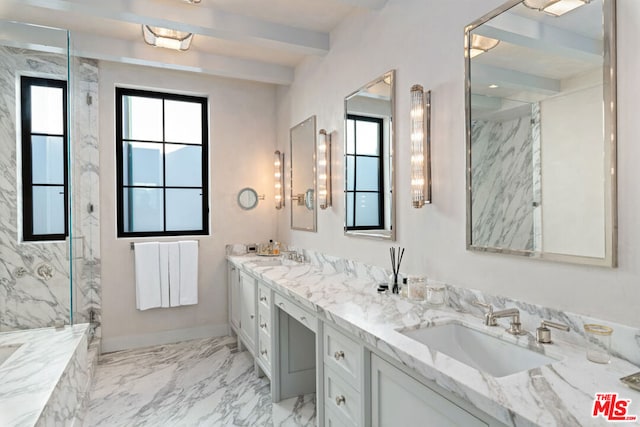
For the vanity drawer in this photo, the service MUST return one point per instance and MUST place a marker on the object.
(264, 349)
(344, 355)
(332, 419)
(341, 398)
(296, 312)
(264, 295)
(264, 320)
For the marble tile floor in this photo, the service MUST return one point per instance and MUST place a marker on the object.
(194, 383)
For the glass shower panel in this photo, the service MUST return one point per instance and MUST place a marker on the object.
(35, 278)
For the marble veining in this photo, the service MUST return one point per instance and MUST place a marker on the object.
(560, 394)
(202, 382)
(502, 183)
(29, 300)
(43, 381)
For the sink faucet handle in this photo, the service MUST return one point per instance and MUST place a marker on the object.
(489, 320)
(543, 333)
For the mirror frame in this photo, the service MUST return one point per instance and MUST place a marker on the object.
(609, 98)
(375, 234)
(313, 159)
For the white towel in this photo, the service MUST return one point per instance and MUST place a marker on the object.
(174, 274)
(147, 266)
(188, 272)
(164, 273)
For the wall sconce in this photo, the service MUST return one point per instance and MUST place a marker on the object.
(164, 37)
(420, 124)
(324, 169)
(278, 175)
(555, 7)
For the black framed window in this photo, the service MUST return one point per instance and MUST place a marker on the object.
(162, 169)
(364, 170)
(43, 111)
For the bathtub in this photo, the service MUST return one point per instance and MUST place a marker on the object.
(44, 375)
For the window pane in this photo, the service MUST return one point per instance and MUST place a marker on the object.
(143, 209)
(141, 118)
(142, 163)
(350, 173)
(46, 110)
(183, 165)
(183, 122)
(48, 210)
(349, 209)
(368, 173)
(367, 209)
(184, 210)
(47, 159)
(351, 145)
(367, 138)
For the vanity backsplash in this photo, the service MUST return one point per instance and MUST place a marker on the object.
(625, 341)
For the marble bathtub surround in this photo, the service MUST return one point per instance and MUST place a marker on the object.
(342, 292)
(43, 383)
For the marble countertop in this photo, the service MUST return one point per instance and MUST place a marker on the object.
(559, 394)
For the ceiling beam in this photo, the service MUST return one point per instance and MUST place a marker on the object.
(139, 53)
(196, 19)
(522, 31)
(482, 74)
(368, 4)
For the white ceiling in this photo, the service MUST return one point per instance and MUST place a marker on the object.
(261, 40)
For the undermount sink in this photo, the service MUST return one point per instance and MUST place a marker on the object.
(476, 349)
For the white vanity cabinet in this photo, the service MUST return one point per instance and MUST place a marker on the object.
(248, 320)
(398, 399)
(265, 323)
(233, 279)
(344, 375)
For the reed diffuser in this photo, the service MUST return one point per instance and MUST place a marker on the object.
(396, 260)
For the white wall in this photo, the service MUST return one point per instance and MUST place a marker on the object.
(423, 40)
(242, 141)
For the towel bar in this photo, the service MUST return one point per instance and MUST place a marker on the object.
(132, 244)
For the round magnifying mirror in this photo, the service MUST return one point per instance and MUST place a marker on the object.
(247, 198)
(308, 199)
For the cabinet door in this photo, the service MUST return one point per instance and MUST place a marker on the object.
(234, 297)
(399, 400)
(248, 310)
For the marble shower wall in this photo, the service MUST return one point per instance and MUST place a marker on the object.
(28, 299)
(503, 190)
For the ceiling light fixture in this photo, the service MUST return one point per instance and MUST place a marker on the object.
(481, 44)
(555, 7)
(192, 1)
(167, 38)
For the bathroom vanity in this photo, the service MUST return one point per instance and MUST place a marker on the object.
(328, 331)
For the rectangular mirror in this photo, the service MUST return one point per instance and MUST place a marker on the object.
(541, 131)
(368, 159)
(303, 175)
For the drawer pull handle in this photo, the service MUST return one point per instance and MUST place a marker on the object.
(263, 325)
(281, 304)
(263, 352)
(303, 318)
(263, 298)
(339, 355)
(340, 400)
(252, 316)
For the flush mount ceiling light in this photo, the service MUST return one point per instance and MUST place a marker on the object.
(481, 44)
(192, 1)
(555, 7)
(167, 38)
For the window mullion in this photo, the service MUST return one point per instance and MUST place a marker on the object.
(164, 170)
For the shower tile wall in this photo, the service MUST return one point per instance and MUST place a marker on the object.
(28, 300)
(502, 211)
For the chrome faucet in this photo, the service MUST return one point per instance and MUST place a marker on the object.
(490, 318)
